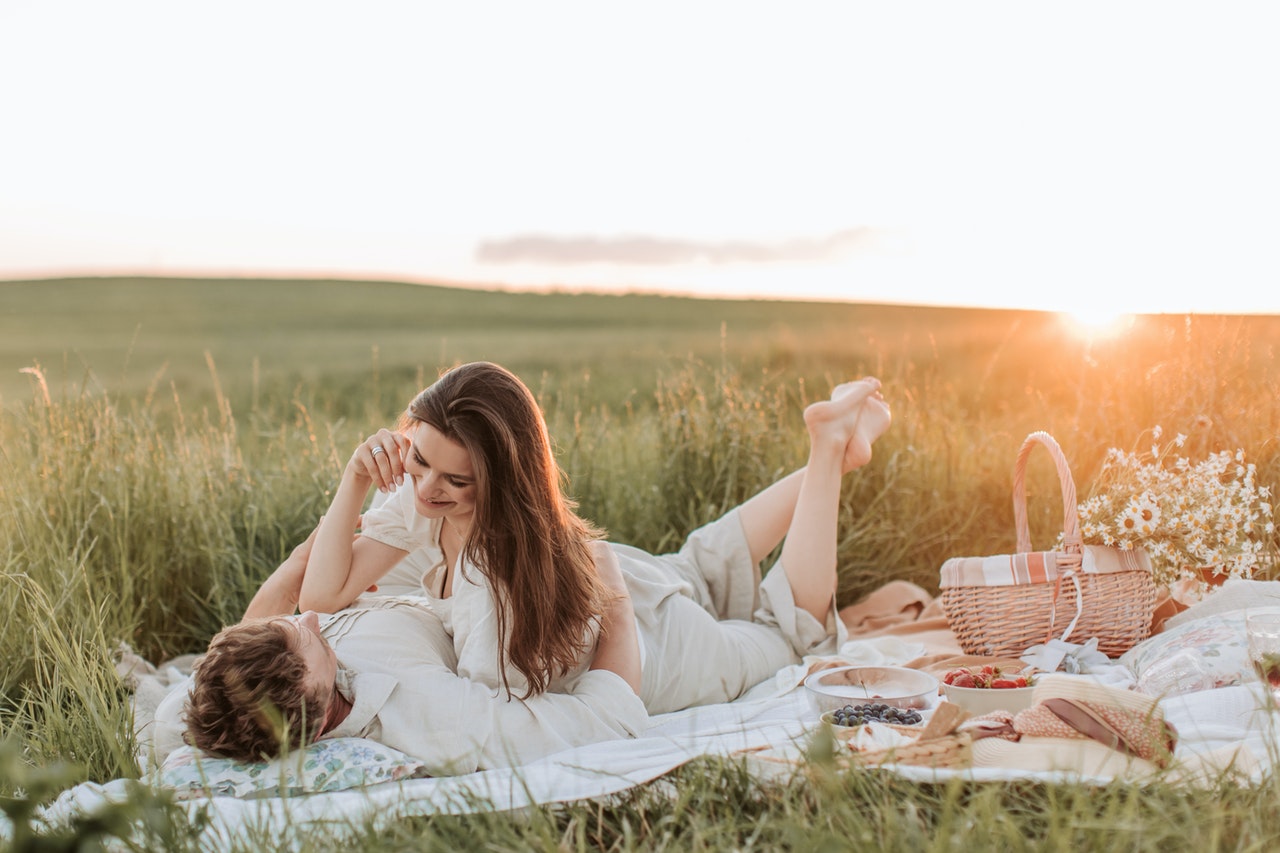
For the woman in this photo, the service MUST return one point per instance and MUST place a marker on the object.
(512, 570)
(704, 628)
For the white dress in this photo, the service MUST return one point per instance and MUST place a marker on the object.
(709, 628)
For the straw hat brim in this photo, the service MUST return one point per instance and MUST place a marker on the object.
(1074, 756)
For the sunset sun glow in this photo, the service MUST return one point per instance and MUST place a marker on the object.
(1097, 323)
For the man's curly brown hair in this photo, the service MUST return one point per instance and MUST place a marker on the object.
(248, 698)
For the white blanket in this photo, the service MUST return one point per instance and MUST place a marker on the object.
(774, 714)
(587, 772)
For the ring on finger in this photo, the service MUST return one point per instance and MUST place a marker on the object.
(379, 449)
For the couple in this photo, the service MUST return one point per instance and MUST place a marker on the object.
(511, 631)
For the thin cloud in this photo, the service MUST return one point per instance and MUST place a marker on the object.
(640, 250)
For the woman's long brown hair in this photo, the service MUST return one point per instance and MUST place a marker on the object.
(525, 535)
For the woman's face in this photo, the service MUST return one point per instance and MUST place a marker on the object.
(444, 483)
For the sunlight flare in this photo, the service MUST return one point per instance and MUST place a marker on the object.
(1097, 321)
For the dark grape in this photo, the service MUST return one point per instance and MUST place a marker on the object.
(875, 712)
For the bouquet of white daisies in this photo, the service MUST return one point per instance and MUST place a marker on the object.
(1190, 517)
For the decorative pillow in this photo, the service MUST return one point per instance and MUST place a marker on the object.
(1204, 653)
(326, 765)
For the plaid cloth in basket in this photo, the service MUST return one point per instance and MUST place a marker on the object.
(1038, 566)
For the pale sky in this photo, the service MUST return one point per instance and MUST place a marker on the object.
(1088, 156)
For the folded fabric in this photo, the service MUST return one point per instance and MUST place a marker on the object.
(884, 651)
(1071, 657)
(880, 651)
(1234, 597)
(1078, 659)
(896, 603)
(1039, 566)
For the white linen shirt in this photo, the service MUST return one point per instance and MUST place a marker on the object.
(395, 663)
(396, 668)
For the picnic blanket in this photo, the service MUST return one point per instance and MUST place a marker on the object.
(772, 713)
(899, 624)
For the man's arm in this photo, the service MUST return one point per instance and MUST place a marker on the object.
(278, 595)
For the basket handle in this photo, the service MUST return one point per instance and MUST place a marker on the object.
(1070, 516)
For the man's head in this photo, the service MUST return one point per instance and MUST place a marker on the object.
(263, 685)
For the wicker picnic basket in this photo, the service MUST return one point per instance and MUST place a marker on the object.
(1001, 606)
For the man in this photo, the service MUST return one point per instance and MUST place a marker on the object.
(384, 669)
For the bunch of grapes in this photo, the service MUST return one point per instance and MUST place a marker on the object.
(875, 712)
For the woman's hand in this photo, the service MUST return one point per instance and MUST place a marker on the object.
(380, 459)
(340, 569)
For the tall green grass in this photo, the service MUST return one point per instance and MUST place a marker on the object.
(148, 515)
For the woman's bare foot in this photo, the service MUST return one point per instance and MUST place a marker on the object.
(872, 423)
(854, 417)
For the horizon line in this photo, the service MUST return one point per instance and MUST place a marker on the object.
(620, 290)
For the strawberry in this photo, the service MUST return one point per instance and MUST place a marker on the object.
(964, 680)
(1021, 680)
(1004, 683)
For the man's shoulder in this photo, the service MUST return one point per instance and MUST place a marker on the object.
(392, 634)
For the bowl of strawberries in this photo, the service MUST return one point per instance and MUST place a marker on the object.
(987, 688)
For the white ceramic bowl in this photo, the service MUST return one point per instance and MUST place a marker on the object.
(830, 689)
(984, 700)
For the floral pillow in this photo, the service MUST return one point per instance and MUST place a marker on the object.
(326, 765)
(1204, 653)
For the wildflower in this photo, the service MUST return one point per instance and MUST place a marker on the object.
(1186, 515)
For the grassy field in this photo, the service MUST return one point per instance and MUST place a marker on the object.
(170, 440)
(130, 334)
